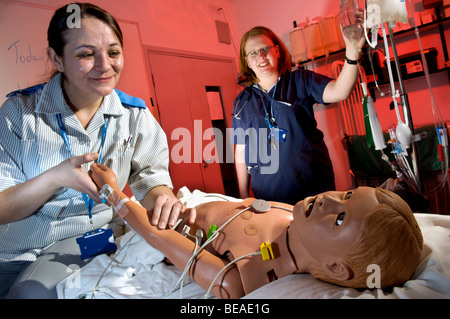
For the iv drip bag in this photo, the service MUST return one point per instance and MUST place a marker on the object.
(380, 11)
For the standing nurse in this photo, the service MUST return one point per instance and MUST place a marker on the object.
(277, 140)
(51, 133)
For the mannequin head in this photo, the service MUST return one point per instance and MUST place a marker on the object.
(338, 235)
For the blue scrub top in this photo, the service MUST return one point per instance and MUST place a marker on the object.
(300, 166)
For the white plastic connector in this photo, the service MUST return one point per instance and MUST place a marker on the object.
(186, 229)
(442, 135)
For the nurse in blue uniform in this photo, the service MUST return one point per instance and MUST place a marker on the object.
(279, 150)
(51, 134)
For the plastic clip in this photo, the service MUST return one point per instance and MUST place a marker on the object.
(212, 230)
(266, 251)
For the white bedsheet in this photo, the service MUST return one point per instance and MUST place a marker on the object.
(138, 270)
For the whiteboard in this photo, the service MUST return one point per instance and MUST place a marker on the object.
(23, 46)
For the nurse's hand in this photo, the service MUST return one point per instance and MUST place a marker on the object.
(353, 48)
(20, 201)
(70, 174)
(166, 208)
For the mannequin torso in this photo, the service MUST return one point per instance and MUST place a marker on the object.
(244, 235)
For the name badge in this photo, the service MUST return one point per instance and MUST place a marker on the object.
(278, 133)
(96, 242)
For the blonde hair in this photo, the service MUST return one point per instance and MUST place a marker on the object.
(390, 238)
(284, 62)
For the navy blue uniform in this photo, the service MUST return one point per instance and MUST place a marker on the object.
(298, 167)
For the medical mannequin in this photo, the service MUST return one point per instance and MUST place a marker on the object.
(334, 236)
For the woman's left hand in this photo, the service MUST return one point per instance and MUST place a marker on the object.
(354, 47)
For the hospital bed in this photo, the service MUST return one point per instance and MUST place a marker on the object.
(137, 270)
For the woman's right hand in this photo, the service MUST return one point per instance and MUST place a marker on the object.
(70, 174)
(38, 190)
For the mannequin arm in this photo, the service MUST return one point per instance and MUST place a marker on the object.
(173, 245)
(180, 249)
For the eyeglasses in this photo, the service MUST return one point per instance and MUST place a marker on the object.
(256, 52)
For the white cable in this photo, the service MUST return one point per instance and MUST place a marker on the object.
(196, 245)
(218, 196)
(207, 242)
(181, 278)
(97, 285)
(223, 269)
(285, 208)
(394, 93)
(434, 107)
(437, 117)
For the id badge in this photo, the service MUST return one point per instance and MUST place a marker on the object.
(279, 134)
(96, 242)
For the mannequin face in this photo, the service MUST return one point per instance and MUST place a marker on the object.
(264, 64)
(326, 225)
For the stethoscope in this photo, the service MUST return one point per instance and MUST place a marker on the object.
(248, 90)
(276, 133)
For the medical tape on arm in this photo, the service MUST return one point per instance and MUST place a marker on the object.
(114, 200)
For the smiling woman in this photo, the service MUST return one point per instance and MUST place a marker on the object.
(278, 102)
(91, 63)
(51, 134)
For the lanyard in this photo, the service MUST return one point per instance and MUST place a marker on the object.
(271, 120)
(88, 201)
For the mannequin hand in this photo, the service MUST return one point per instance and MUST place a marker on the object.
(167, 209)
(102, 175)
(70, 174)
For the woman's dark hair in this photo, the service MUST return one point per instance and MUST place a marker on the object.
(58, 24)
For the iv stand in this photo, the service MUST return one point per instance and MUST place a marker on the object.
(406, 111)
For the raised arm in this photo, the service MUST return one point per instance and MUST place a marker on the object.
(342, 87)
(172, 244)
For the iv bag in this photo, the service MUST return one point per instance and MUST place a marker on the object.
(380, 11)
(350, 27)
